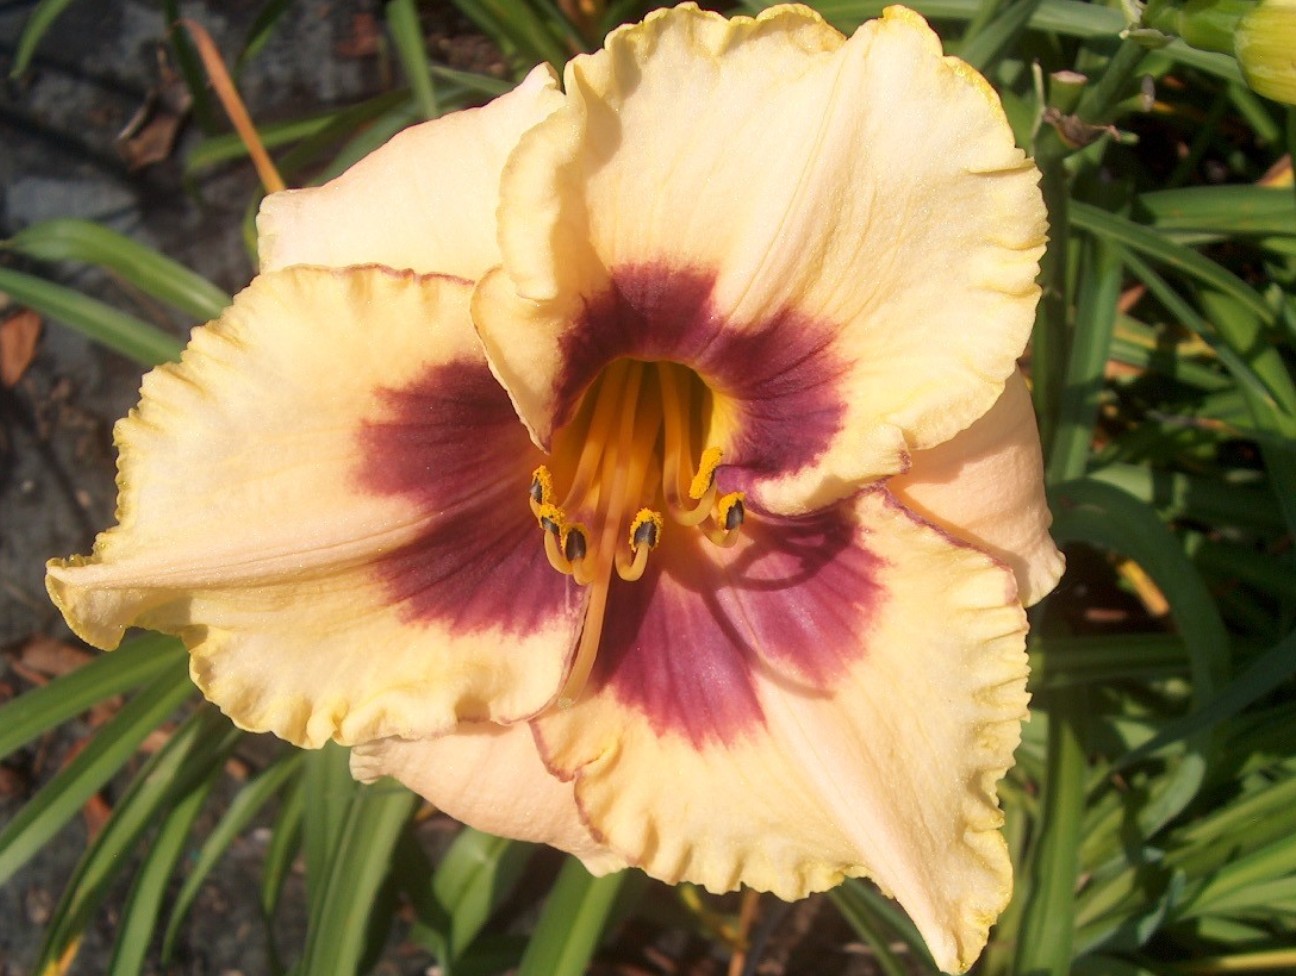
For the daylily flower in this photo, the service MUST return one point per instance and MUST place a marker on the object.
(638, 466)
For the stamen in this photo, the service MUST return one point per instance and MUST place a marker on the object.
(553, 550)
(588, 649)
(675, 414)
(732, 512)
(550, 517)
(704, 480)
(574, 544)
(575, 547)
(645, 534)
(610, 398)
(729, 515)
(646, 529)
(631, 444)
(541, 488)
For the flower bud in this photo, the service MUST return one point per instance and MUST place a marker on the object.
(1265, 46)
(1261, 35)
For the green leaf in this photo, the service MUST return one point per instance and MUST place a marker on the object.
(156, 275)
(1264, 675)
(285, 842)
(851, 898)
(1209, 500)
(246, 805)
(135, 663)
(370, 138)
(329, 792)
(1250, 821)
(1158, 247)
(261, 30)
(512, 23)
(1102, 515)
(335, 941)
(469, 81)
(1202, 213)
(40, 21)
(1070, 18)
(473, 878)
(144, 906)
(227, 146)
(991, 42)
(1098, 514)
(193, 753)
(1274, 414)
(105, 753)
(1090, 350)
(403, 22)
(1238, 357)
(572, 923)
(1048, 918)
(191, 67)
(144, 343)
(1258, 878)
(1059, 662)
(358, 119)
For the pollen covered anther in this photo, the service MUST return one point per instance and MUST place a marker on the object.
(541, 488)
(729, 516)
(645, 534)
(703, 482)
(645, 530)
(550, 516)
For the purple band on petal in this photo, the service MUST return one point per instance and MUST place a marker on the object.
(781, 373)
(453, 446)
(681, 644)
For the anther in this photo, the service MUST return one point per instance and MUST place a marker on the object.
(732, 511)
(645, 534)
(574, 543)
(729, 516)
(541, 487)
(704, 480)
(645, 530)
(550, 517)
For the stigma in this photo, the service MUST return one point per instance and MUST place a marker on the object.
(632, 466)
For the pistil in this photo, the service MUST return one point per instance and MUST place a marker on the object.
(630, 449)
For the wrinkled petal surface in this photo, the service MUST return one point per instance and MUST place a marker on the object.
(859, 202)
(985, 485)
(425, 201)
(848, 711)
(489, 776)
(320, 499)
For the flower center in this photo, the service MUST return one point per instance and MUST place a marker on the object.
(632, 458)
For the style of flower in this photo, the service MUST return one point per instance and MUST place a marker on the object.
(639, 466)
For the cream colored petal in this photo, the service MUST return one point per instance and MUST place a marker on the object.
(986, 486)
(860, 200)
(426, 200)
(489, 777)
(697, 755)
(326, 499)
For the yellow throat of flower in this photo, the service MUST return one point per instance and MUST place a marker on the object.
(629, 461)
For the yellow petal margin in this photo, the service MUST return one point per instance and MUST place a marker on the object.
(867, 188)
(985, 485)
(250, 528)
(889, 772)
(426, 200)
